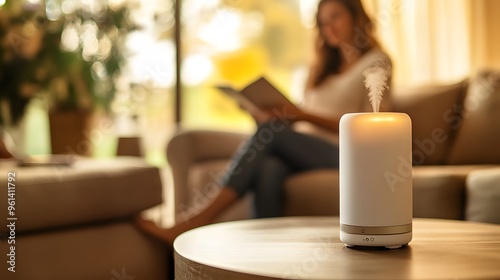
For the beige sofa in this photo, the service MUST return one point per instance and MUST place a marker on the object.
(76, 222)
(456, 133)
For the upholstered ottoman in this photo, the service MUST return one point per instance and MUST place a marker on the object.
(75, 222)
(483, 196)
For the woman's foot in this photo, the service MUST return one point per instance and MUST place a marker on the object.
(166, 235)
(4, 152)
(224, 199)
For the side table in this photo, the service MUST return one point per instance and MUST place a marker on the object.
(310, 248)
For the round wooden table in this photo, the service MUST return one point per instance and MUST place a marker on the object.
(310, 248)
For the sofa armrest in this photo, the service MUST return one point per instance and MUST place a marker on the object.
(88, 191)
(189, 147)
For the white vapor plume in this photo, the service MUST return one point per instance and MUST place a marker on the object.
(376, 78)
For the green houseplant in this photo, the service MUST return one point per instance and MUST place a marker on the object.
(69, 59)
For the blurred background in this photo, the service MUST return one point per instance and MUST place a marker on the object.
(147, 68)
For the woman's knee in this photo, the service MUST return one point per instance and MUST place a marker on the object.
(272, 175)
(270, 132)
(274, 164)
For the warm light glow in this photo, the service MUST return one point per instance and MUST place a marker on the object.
(382, 119)
(105, 46)
(196, 69)
(192, 9)
(93, 6)
(69, 39)
(52, 10)
(436, 50)
(115, 3)
(89, 40)
(308, 12)
(230, 66)
(221, 26)
(153, 62)
(2, 2)
(98, 70)
(68, 7)
(223, 31)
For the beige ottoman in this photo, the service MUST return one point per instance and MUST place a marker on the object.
(483, 196)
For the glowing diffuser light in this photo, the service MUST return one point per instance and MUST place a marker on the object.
(375, 173)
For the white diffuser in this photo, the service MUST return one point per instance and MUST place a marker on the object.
(375, 179)
(376, 171)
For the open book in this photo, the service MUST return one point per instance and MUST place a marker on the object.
(259, 96)
(261, 99)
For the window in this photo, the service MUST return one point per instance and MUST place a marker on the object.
(235, 42)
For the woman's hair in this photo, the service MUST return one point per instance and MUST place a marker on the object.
(328, 59)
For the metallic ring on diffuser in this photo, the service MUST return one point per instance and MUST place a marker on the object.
(376, 230)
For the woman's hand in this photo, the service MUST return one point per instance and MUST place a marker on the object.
(293, 113)
(329, 124)
(261, 117)
(286, 113)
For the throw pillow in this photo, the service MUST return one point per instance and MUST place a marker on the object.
(479, 127)
(433, 112)
(483, 194)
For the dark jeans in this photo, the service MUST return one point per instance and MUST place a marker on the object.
(264, 161)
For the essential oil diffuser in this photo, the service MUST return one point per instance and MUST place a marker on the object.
(375, 179)
(376, 170)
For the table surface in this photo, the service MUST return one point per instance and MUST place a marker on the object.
(310, 248)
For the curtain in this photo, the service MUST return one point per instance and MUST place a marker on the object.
(485, 27)
(437, 41)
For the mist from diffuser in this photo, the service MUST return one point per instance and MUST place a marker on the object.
(375, 171)
(376, 78)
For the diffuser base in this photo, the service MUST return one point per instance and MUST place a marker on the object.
(391, 241)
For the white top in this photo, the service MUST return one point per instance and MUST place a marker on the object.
(341, 94)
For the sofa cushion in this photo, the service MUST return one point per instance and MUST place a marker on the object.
(90, 190)
(432, 110)
(100, 251)
(203, 187)
(439, 191)
(203, 183)
(188, 148)
(483, 196)
(479, 133)
(313, 193)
